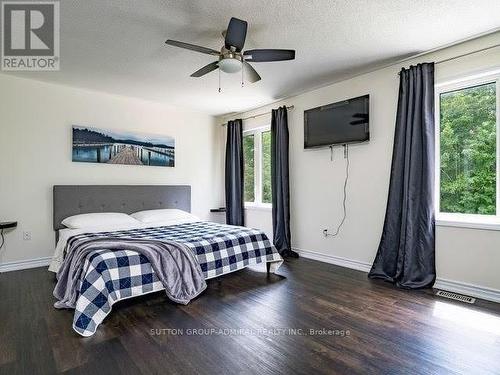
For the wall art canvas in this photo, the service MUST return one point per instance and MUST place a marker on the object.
(93, 145)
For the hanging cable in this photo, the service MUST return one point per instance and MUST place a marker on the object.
(3, 239)
(344, 201)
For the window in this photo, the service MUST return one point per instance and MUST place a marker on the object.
(266, 167)
(257, 167)
(249, 167)
(467, 144)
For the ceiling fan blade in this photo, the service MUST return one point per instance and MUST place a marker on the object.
(206, 69)
(250, 72)
(236, 34)
(192, 47)
(263, 55)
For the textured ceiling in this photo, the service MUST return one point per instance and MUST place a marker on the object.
(117, 46)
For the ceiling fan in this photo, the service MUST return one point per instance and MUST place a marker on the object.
(231, 58)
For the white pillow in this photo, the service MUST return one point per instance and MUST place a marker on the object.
(98, 219)
(163, 215)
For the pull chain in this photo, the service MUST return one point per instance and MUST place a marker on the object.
(219, 80)
(242, 66)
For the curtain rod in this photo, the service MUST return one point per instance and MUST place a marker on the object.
(466, 54)
(290, 107)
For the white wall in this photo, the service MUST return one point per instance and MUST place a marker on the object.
(464, 255)
(35, 154)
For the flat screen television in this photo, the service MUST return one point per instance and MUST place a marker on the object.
(337, 123)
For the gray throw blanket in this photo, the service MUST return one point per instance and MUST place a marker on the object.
(173, 262)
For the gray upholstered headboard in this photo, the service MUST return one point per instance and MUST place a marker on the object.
(81, 199)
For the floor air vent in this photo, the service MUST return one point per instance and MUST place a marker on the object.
(455, 296)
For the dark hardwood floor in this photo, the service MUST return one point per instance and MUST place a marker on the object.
(386, 330)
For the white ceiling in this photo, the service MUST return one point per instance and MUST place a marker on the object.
(117, 46)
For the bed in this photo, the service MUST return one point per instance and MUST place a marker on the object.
(112, 275)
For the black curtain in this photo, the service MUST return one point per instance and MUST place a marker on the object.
(405, 255)
(235, 214)
(280, 182)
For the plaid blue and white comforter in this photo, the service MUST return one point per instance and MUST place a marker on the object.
(110, 276)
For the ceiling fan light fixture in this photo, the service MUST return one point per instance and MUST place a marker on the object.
(230, 65)
(231, 57)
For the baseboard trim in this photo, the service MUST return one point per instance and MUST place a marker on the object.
(25, 264)
(333, 259)
(472, 290)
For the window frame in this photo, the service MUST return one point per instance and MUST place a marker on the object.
(474, 221)
(258, 171)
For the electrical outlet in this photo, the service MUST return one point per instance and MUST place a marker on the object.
(27, 236)
(325, 232)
